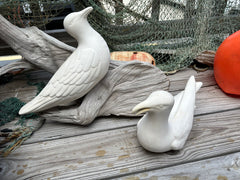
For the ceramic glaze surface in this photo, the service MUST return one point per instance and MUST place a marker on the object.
(82, 70)
(168, 119)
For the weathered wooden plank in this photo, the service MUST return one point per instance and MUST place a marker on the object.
(19, 89)
(116, 152)
(212, 99)
(220, 168)
(209, 99)
(55, 130)
(178, 80)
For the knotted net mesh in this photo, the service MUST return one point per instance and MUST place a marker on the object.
(174, 32)
(24, 13)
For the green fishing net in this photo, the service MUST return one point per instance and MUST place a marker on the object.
(174, 32)
(10, 107)
(13, 135)
(24, 13)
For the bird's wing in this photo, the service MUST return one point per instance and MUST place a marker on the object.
(177, 100)
(181, 116)
(74, 76)
(77, 75)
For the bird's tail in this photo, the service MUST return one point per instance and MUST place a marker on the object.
(198, 86)
(190, 85)
(37, 104)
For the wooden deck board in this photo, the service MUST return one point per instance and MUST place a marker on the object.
(108, 148)
(116, 152)
(220, 168)
(209, 100)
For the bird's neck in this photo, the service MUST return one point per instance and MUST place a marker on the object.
(86, 36)
(159, 120)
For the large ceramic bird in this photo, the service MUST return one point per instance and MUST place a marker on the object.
(168, 120)
(83, 69)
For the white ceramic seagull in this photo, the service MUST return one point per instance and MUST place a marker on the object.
(82, 70)
(168, 120)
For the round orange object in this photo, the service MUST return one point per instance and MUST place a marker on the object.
(227, 64)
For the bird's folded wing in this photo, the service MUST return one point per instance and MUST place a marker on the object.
(182, 118)
(78, 74)
(178, 99)
(75, 76)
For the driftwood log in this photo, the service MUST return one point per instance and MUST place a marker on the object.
(38, 48)
(122, 88)
(206, 57)
(125, 85)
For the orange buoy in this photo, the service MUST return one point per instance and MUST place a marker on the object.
(132, 55)
(227, 64)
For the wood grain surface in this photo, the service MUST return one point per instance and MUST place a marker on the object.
(108, 148)
(225, 167)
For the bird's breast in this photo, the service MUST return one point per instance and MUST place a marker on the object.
(153, 138)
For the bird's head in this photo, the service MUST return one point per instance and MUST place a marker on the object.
(76, 22)
(156, 102)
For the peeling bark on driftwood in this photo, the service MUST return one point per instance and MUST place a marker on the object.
(125, 85)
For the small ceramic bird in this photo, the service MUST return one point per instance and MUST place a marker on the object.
(83, 69)
(168, 120)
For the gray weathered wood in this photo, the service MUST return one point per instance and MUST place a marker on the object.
(22, 64)
(108, 147)
(116, 152)
(123, 81)
(121, 89)
(178, 80)
(35, 46)
(209, 99)
(215, 100)
(206, 57)
(220, 168)
(215, 103)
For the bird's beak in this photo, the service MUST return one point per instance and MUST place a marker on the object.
(141, 108)
(141, 111)
(85, 12)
